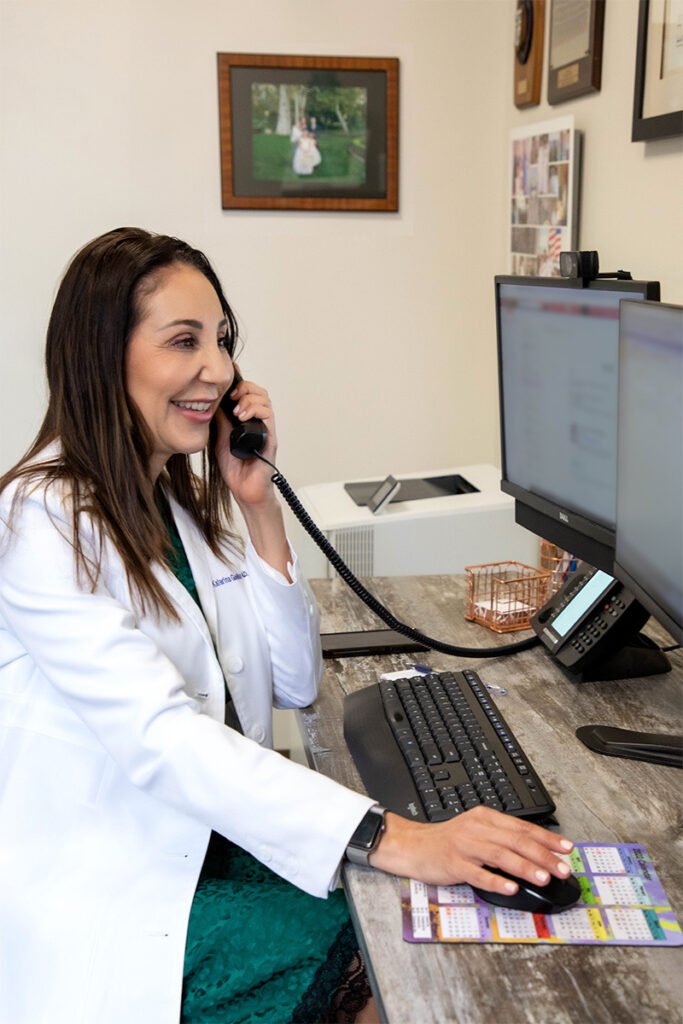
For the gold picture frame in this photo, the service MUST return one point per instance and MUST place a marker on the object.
(308, 133)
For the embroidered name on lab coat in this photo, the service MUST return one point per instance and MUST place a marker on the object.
(229, 579)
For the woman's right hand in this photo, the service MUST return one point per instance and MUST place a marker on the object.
(458, 850)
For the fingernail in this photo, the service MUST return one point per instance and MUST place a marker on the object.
(510, 887)
(237, 410)
(542, 876)
(566, 845)
(563, 868)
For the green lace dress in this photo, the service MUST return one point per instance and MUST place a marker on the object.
(258, 949)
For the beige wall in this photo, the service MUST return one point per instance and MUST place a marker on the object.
(374, 333)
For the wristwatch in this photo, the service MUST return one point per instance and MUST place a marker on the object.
(366, 837)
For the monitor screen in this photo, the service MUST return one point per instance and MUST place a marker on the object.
(558, 345)
(649, 541)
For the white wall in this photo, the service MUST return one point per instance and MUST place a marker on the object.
(374, 332)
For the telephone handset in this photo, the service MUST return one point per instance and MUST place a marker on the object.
(248, 437)
(594, 621)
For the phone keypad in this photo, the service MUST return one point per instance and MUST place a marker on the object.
(594, 628)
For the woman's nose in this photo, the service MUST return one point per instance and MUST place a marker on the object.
(217, 368)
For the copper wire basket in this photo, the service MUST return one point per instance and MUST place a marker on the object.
(560, 564)
(504, 596)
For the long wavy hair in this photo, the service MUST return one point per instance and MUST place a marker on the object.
(105, 445)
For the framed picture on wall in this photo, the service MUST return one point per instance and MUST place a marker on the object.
(575, 48)
(308, 133)
(658, 95)
(544, 188)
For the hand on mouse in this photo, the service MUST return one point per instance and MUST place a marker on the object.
(454, 851)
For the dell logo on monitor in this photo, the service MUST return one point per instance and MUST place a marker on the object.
(564, 518)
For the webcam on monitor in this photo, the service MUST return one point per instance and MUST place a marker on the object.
(585, 266)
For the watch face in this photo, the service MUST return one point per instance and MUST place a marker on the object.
(369, 828)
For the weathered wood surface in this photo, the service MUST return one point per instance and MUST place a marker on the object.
(601, 799)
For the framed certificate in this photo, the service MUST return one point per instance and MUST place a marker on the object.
(575, 58)
(658, 94)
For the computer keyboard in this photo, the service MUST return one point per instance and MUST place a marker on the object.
(431, 747)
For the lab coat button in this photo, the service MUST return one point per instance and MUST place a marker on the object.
(233, 663)
(258, 733)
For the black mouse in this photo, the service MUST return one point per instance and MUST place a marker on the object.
(558, 894)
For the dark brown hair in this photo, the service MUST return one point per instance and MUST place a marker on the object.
(105, 444)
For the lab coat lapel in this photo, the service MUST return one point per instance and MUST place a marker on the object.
(196, 551)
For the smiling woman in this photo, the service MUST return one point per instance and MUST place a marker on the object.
(178, 363)
(160, 676)
(166, 862)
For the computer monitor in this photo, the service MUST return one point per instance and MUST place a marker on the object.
(649, 505)
(557, 355)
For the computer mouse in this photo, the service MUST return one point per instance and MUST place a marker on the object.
(557, 895)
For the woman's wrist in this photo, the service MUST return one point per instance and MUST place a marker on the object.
(397, 837)
(266, 528)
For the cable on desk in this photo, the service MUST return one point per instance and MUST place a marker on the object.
(380, 611)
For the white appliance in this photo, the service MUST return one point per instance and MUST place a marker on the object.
(434, 535)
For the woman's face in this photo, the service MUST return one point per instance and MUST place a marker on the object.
(177, 364)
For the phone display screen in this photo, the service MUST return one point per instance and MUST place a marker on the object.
(582, 602)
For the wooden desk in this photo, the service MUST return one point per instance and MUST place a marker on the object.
(598, 798)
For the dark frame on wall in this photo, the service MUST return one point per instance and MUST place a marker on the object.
(308, 133)
(651, 119)
(575, 49)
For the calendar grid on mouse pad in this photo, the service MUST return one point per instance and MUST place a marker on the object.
(622, 903)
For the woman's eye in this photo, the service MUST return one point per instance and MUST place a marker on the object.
(224, 342)
(188, 342)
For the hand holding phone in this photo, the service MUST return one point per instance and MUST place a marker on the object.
(248, 437)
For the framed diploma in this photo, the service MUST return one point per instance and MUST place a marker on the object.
(529, 25)
(658, 97)
(575, 58)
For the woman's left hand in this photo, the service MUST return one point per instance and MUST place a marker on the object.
(248, 479)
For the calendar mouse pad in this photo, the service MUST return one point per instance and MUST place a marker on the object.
(622, 903)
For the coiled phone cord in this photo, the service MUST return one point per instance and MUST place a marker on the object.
(380, 611)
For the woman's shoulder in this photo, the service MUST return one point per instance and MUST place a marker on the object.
(38, 486)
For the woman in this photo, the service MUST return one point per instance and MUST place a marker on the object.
(133, 627)
(307, 155)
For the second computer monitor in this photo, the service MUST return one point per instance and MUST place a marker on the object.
(558, 343)
(649, 542)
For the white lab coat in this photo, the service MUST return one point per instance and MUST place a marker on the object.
(115, 765)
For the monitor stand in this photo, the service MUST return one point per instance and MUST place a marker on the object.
(639, 657)
(653, 747)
